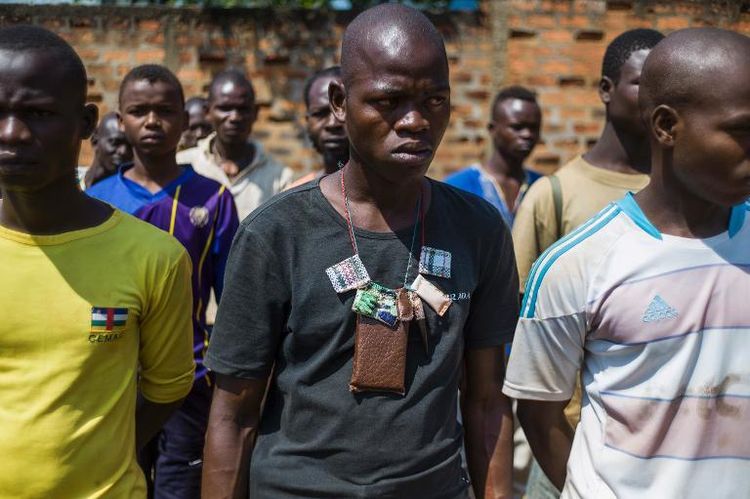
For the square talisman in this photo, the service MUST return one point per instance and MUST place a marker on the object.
(431, 294)
(377, 302)
(348, 274)
(435, 262)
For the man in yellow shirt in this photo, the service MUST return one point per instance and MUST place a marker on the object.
(556, 205)
(95, 304)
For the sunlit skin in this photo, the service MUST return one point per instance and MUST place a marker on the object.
(515, 130)
(232, 113)
(153, 119)
(43, 119)
(395, 109)
(623, 144)
(326, 133)
(701, 149)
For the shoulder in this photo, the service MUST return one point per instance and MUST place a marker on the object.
(572, 170)
(279, 211)
(464, 177)
(566, 267)
(198, 181)
(532, 176)
(105, 188)
(150, 241)
(188, 155)
(466, 206)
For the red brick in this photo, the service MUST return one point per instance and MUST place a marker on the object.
(149, 25)
(541, 21)
(671, 23)
(556, 36)
(116, 56)
(575, 22)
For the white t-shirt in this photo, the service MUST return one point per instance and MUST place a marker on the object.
(661, 328)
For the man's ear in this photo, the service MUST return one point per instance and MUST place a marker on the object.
(185, 121)
(664, 124)
(337, 99)
(89, 120)
(606, 85)
(120, 126)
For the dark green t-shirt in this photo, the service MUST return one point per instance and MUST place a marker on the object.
(316, 438)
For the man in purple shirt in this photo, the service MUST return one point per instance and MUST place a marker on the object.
(200, 213)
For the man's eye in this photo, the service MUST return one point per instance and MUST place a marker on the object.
(437, 100)
(40, 113)
(386, 103)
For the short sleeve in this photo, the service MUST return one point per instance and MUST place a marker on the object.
(547, 350)
(253, 310)
(166, 337)
(226, 227)
(534, 227)
(493, 312)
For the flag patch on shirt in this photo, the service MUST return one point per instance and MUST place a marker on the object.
(104, 319)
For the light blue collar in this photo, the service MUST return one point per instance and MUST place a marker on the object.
(631, 208)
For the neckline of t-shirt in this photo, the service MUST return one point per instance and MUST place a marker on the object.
(630, 207)
(137, 189)
(630, 181)
(63, 237)
(321, 200)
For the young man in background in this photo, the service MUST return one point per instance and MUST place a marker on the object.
(200, 213)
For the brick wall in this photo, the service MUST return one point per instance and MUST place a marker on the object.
(554, 46)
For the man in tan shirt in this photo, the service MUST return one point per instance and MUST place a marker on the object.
(556, 205)
(229, 155)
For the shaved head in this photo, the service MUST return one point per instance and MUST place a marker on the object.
(230, 75)
(689, 67)
(390, 31)
(107, 122)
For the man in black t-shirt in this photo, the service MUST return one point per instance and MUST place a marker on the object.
(365, 295)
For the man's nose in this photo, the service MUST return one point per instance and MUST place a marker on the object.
(413, 121)
(152, 119)
(14, 130)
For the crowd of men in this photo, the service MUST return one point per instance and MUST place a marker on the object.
(378, 332)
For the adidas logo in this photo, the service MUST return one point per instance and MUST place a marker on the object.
(659, 310)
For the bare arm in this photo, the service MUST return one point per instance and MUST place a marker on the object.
(488, 424)
(149, 418)
(550, 436)
(232, 426)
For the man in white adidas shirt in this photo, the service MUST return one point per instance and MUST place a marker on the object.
(650, 300)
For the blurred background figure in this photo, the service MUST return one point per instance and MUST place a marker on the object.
(327, 134)
(515, 124)
(229, 154)
(111, 149)
(198, 124)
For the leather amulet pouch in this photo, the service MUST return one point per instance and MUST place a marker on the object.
(379, 363)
